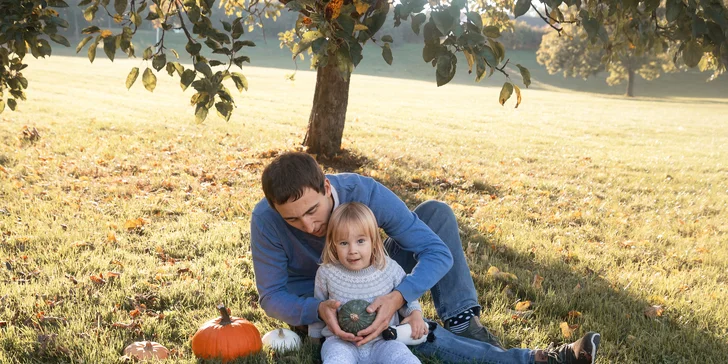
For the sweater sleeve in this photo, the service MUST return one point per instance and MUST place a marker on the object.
(398, 275)
(434, 259)
(270, 265)
(319, 292)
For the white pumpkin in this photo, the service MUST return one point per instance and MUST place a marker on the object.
(144, 350)
(282, 340)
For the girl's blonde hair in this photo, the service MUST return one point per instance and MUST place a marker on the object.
(345, 217)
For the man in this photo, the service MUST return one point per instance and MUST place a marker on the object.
(288, 231)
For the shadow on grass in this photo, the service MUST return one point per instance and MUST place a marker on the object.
(628, 336)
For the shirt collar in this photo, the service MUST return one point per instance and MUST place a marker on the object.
(335, 196)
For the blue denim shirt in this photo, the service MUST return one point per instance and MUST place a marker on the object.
(285, 259)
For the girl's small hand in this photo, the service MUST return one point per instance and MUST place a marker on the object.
(418, 325)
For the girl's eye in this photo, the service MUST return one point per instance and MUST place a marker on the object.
(361, 241)
(342, 243)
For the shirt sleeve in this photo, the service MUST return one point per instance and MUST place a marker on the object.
(398, 276)
(270, 265)
(320, 292)
(434, 259)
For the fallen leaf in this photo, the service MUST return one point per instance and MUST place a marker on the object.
(523, 305)
(134, 313)
(567, 330)
(654, 311)
(537, 280)
(97, 279)
(574, 314)
(111, 238)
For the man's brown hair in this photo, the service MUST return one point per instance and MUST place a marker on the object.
(288, 175)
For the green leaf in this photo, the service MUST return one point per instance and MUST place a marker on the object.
(476, 19)
(387, 39)
(82, 43)
(227, 26)
(417, 21)
(147, 53)
(692, 53)
(110, 47)
(92, 50)
(387, 53)
(505, 93)
(240, 81)
(238, 29)
(203, 68)
(132, 77)
(224, 109)
(445, 68)
(60, 39)
(149, 80)
(521, 7)
(214, 62)
(120, 6)
(443, 21)
(200, 113)
(159, 61)
(90, 30)
(306, 40)
(355, 50)
(491, 31)
(525, 74)
(186, 79)
(12, 104)
(193, 48)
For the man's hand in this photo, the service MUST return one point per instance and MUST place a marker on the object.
(385, 306)
(327, 312)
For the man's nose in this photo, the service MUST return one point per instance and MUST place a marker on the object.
(308, 225)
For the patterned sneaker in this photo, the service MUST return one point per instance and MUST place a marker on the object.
(477, 331)
(582, 351)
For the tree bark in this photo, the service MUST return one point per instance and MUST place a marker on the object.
(630, 82)
(328, 114)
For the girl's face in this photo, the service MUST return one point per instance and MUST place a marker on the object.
(354, 249)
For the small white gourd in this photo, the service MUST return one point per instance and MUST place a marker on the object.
(282, 340)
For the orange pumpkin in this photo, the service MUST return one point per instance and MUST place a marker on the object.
(144, 350)
(227, 338)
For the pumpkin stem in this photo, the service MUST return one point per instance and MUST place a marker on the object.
(149, 346)
(354, 317)
(281, 334)
(225, 316)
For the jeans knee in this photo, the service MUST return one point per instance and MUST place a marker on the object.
(434, 209)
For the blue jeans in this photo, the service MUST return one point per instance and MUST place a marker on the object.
(454, 293)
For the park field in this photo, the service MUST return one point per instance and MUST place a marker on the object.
(121, 219)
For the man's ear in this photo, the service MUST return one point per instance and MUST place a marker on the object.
(327, 187)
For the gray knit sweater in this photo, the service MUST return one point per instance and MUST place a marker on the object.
(333, 281)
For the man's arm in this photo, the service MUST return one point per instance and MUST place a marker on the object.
(434, 259)
(271, 276)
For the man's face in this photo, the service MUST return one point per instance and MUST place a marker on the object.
(311, 212)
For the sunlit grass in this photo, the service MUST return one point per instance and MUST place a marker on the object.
(618, 204)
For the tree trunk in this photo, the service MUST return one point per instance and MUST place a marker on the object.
(328, 114)
(630, 82)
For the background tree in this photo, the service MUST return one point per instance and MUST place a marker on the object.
(334, 32)
(573, 54)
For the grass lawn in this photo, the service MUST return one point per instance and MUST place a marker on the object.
(619, 205)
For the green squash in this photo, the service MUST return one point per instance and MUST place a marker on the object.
(353, 316)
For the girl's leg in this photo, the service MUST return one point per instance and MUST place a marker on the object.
(336, 351)
(391, 351)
